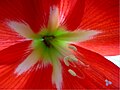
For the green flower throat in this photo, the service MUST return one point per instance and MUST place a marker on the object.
(51, 43)
(47, 37)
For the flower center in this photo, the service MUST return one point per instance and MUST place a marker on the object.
(47, 40)
(51, 45)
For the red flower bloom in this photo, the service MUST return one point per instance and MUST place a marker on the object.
(48, 44)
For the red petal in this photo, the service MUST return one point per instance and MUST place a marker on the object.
(10, 58)
(16, 10)
(8, 37)
(8, 80)
(71, 12)
(39, 76)
(102, 16)
(35, 78)
(34, 12)
(24, 10)
(14, 53)
(94, 76)
(11, 10)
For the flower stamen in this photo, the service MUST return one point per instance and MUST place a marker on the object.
(71, 59)
(72, 72)
(72, 47)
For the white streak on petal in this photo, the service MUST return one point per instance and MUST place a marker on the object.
(30, 61)
(53, 18)
(21, 28)
(57, 75)
(83, 35)
(78, 35)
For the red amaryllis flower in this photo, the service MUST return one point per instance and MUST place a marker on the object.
(56, 44)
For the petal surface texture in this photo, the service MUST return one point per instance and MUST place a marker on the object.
(103, 16)
(89, 72)
(14, 53)
(58, 44)
(82, 14)
(94, 15)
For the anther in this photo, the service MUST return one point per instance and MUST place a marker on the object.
(72, 72)
(73, 58)
(66, 61)
(72, 47)
(70, 58)
(83, 64)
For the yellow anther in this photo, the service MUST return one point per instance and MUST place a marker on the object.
(72, 72)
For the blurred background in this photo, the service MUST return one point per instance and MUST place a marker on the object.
(114, 59)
